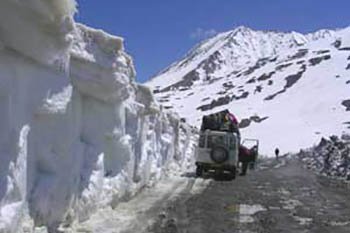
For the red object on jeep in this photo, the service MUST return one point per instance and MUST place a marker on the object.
(244, 151)
(245, 155)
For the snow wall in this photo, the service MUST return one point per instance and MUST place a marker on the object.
(76, 132)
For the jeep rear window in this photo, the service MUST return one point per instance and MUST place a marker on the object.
(216, 140)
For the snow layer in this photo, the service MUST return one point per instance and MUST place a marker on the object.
(76, 132)
(38, 29)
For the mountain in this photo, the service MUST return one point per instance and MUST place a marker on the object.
(287, 89)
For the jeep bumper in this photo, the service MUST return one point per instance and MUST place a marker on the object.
(215, 166)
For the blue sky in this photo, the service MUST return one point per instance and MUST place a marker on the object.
(159, 32)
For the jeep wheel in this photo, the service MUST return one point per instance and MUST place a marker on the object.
(219, 154)
(233, 172)
(218, 173)
(199, 171)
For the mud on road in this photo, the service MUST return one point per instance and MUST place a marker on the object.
(280, 196)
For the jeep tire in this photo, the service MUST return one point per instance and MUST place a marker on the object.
(219, 154)
(233, 172)
(199, 171)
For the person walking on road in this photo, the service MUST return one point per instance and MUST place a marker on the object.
(277, 151)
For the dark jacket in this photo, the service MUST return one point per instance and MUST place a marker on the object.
(245, 154)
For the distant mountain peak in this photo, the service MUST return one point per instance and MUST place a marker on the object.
(242, 29)
(242, 46)
(295, 82)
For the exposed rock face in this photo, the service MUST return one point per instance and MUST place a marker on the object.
(318, 60)
(330, 157)
(244, 123)
(346, 104)
(184, 84)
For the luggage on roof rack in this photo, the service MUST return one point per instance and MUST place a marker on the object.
(219, 121)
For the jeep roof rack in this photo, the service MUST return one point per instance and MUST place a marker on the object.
(216, 121)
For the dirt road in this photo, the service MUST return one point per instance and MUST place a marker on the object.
(278, 197)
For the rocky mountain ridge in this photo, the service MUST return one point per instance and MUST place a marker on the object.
(275, 76)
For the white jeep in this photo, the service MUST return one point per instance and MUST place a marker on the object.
(217, 151)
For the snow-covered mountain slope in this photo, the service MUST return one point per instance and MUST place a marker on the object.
(288, 89)
(76, 132)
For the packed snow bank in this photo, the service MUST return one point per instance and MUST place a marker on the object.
(38, 29)
(100, 67)
(331, 157)
(76, 139)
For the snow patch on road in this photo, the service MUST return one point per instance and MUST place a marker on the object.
(250, 209)
(281, 164)
(291, 204)
(303, 220)
(338, 223)
(142, 211)
(245, 212)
